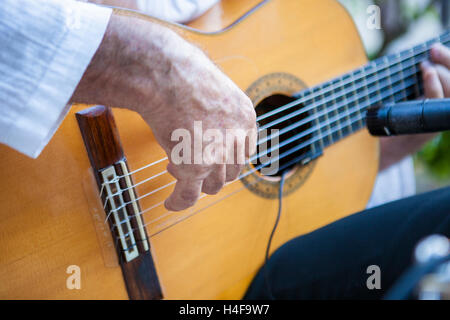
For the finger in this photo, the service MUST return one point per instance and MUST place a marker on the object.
(215, 181)
(440, 54)
(185, 195)
(235, 160)
(188, 172)
(232, 172)
(250, 142)
(249, 117)
(432, 85)
(444, 77)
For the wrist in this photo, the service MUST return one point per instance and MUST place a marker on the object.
(128, 68)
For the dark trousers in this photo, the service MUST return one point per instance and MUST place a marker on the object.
(332, 262)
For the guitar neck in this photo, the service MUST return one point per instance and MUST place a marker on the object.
(339, 105)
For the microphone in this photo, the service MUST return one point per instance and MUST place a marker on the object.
(409, 117)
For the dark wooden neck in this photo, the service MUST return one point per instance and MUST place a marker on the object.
(340, 104)
(122, 210)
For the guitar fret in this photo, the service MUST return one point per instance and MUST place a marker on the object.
(402, 76)
(391, 97)
(323, 118)
(356, 126)
(377, 83)
(395, 77)
(365, 96)
(417, 82)
(317, 124)
(408, 56)
(350, 93)
(372, 95)
(333, 112)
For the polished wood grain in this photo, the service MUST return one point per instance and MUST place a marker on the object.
(100, 136)
(104, 149)
(213, 253)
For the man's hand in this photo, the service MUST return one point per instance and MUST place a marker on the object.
(436, 78)
(196, 90)
(436, 75)
(171, 83)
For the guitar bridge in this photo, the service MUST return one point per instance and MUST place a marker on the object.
(120, 202)
(124, 210)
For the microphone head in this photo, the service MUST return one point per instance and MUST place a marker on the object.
(377, 118)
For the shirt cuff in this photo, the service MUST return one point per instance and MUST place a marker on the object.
(85, 27)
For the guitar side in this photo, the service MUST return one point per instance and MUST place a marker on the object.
(47, 218)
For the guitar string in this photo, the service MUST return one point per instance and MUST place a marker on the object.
(167, 213)
(309, 131)
(297, 148)
(313, 118)
(347, 123)
(376, 74)
(184, 217)
(256, 156)
(304, 121)
(173, 182)
(291, 162)
(331, 88)
(399, 59)
(336, 106)
(130, 173)
(396, 58)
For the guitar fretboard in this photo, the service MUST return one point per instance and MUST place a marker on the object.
(339, 105)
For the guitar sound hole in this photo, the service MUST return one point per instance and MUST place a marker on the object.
(268, 104)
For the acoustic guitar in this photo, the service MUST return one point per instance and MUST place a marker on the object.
(86, 220)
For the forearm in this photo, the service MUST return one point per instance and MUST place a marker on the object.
(394, 149)
(132, 64)
(148, 68)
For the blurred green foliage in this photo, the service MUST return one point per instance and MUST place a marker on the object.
(435, 156)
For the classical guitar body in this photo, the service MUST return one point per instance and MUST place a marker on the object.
(51, 213)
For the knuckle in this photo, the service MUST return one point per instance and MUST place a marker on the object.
(233, 172)
(252, 116)
(188, 196)
(217, 187)
(247, 102)
(214, 188)
(218, 183)
(248, 118)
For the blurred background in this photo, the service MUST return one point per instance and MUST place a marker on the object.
(405, 23)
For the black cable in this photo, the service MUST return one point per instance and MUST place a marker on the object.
(404, 287)
(280, 202)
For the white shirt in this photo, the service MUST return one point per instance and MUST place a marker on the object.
(46, 45)
(394, 183)
(180, 11)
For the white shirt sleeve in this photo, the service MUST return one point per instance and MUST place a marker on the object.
(394, 183)
(46, 46)
(180, 11)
